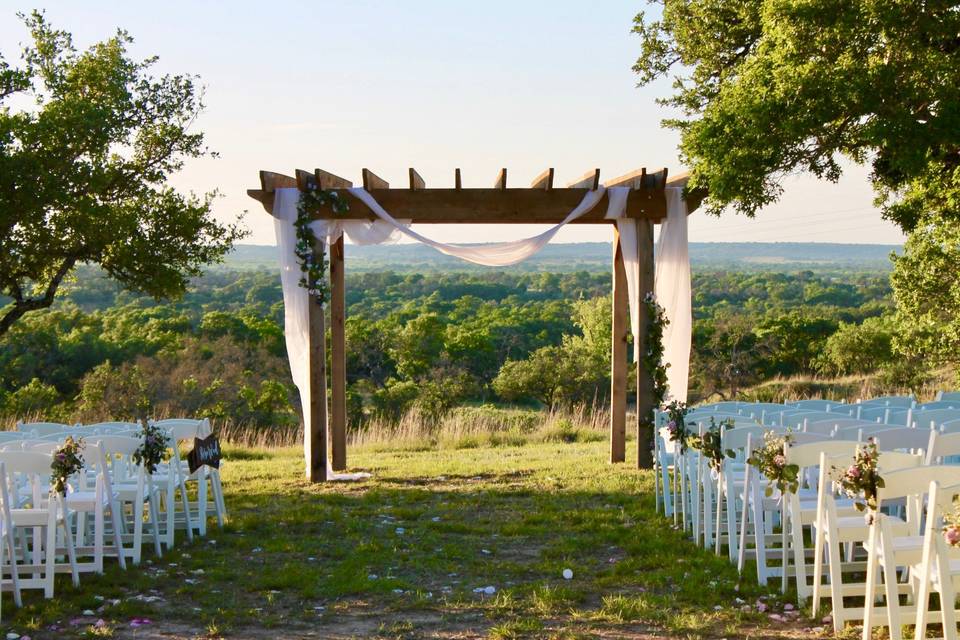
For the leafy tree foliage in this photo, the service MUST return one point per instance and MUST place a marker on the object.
(767, 89)
(84, 170)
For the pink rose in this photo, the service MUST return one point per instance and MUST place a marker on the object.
(779, 460)
(853, 471)
(952, 535)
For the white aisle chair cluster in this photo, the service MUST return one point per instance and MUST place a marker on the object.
(814, 539)
(110, 509)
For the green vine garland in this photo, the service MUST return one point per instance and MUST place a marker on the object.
(653, 358)
(314, 271)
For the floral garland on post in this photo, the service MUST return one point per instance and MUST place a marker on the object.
(67, 460)
(314, 271)
(152, 449)
(709, 444)
(861, 479)
(653, 358)
(771, 461)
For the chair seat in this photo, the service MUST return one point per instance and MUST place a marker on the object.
(906, 549)
(85, 500)
(30, 517)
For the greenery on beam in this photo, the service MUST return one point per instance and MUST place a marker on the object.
(314, 264)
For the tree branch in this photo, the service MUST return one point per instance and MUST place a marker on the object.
(22, 306)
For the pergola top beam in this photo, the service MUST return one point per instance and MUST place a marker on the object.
(539, 204)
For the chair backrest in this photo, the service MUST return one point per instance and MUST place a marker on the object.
(760, 410)
(115, 445)
(112, 427)
(938, 404)
(729, 406)
(44, 447)
(923, 419)
(891, 401)
(803, 437)
(905, 482)
(186, 428)
(861, 431)
(797, 420)
(808, 454)
(737, 438)
(816, 405)
(13, 436)
(829, 426)
(894, 460)
(903, 438)
(942, 445)
(31, 462)
(40, 429)
(948, 395)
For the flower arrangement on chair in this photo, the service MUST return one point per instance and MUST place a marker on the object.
(709, 443)
(677, 424)
(67, 460)
(771, 461)
(861, 479)
(153, 448)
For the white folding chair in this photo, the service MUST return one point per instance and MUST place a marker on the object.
(892, 546)
(34, 509)
(132, 487)
(939, 567)
(206, 478)
(837, 528)
(100, 502)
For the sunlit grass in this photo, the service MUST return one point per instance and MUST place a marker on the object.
(401, 555)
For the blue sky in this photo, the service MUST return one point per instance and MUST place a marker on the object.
(434, 85)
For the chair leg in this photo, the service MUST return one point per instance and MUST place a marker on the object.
(71, 552)
(187, 518)
(155, 524)
(869, 597)
(48, 556)
(14, 570)
(116, 518)
(98, 536)
(202, 500)
(217, 489)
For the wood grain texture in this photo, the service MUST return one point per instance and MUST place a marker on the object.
(645, 403)
(589, 180)
(543, 181)
(338, 358)
(315, 438)
(618, 355)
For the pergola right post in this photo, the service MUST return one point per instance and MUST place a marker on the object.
(645, 403)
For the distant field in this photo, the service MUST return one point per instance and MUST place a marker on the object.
(595, 256)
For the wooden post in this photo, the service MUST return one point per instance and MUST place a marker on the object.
(338, 359)
(618, 355)
(315, 438)
(645, 404)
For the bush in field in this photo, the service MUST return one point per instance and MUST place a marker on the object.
(858, 348)
(33, 399)
(113, 393)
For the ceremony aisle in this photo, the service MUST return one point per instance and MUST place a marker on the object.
(466, 543)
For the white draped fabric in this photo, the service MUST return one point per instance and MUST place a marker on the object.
(672, 288)
(671, 278)
(672, 269)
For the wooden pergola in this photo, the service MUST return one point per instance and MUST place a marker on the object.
(540, 203)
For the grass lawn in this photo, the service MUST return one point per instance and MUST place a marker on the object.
(409, 553)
